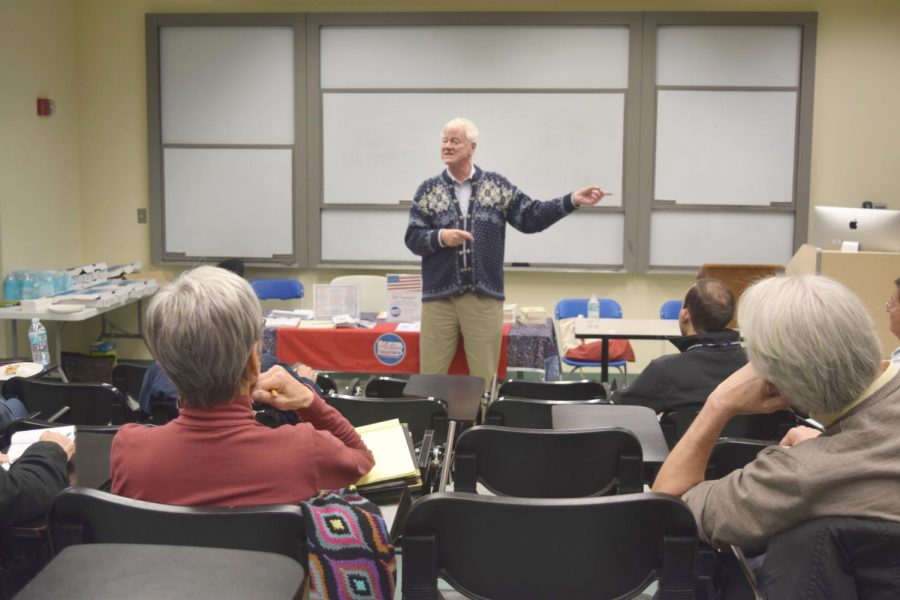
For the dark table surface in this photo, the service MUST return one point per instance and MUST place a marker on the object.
(640, 420)
(151, 572)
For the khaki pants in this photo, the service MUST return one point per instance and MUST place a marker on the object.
(478, 318)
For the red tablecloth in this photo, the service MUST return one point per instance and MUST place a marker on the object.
(378, 350)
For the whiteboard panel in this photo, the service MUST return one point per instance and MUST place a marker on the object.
(728, 55)
(227, 85)
(228, 202)
(579, 239)
(690, 239)
(725, 147)
(462, 57)
(365, 235)
(582, 238)
(378, 148)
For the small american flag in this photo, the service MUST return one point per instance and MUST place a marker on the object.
(410, 283)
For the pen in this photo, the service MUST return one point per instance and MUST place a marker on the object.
(274, 392)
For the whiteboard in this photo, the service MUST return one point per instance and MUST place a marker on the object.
(690, 239)
(379, 147)
(461, 57)
(581, 238)
(227, 85)
(228, 202)
(728, 55)
(725, 147)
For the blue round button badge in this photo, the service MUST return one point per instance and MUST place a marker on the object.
(389, 349)
(395, 311)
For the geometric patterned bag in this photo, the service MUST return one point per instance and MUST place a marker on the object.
(350, 554)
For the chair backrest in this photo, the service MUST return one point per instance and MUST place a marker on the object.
(527, 412)
(496, 547)
(83, 368)
(834, 557)
(419, 414)
(585, 389)
(326, 382)
(540, 463)
(87, 403)
(280, 289)
(128, 377)
(730, 454)
(85, 516)
(385, 387)
(670, 309)
(574, 307)
(770, 427)
(372, 290)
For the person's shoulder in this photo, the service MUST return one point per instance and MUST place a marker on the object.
(495, 177)
(430, 184)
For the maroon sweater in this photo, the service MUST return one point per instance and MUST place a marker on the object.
(222, 457)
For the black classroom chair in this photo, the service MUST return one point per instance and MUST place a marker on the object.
(539, 463)
(584, 389)
(70, 403)
(84, 516)
(419, 414)
(326, 382)
(385, 387)
(770, 427)
(527, 412)
(575, 548)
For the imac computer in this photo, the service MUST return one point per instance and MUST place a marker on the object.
(874, 229)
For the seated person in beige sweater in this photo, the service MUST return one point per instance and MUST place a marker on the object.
(812, 347)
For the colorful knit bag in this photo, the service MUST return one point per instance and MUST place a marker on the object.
(350, 554)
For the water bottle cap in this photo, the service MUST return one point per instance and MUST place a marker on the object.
(35, 320)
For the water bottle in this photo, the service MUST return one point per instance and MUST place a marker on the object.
(40, 349)
(593, 308)
(11, 288)
(27, 285)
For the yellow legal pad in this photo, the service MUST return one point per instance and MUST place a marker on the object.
(393, 458)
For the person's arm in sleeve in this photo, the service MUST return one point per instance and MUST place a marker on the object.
(27, 489)
(423, 237)
(750, 505)
(339, 448)
(531, 216)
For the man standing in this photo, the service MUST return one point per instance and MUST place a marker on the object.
(457, 224)
(710, 352)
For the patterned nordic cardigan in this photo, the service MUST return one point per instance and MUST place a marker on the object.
(475, 266)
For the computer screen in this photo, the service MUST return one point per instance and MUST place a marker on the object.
(876, 230)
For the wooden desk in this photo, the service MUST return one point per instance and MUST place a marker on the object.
(640, 420)
(632, 329)
(113, 571)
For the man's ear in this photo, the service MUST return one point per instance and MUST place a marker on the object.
(684, 322)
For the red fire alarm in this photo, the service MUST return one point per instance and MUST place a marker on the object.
(45, 107)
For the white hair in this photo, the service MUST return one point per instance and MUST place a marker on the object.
(811, 338)
(465, 124)
(201, 329)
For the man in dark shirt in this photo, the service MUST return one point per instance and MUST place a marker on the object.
(710, 352)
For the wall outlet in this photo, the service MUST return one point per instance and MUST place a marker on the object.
(142, 215)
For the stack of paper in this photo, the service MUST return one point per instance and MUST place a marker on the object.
(22, 439)
(394, 460)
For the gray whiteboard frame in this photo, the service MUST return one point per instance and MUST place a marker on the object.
(803, 134)
(153, 23)
(315, 22)
(639, 126)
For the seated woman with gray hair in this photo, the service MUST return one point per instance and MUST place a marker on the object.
(204, 330)
(812, 347)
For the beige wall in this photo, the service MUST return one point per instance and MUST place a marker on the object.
(854, 129)
(40, 201)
